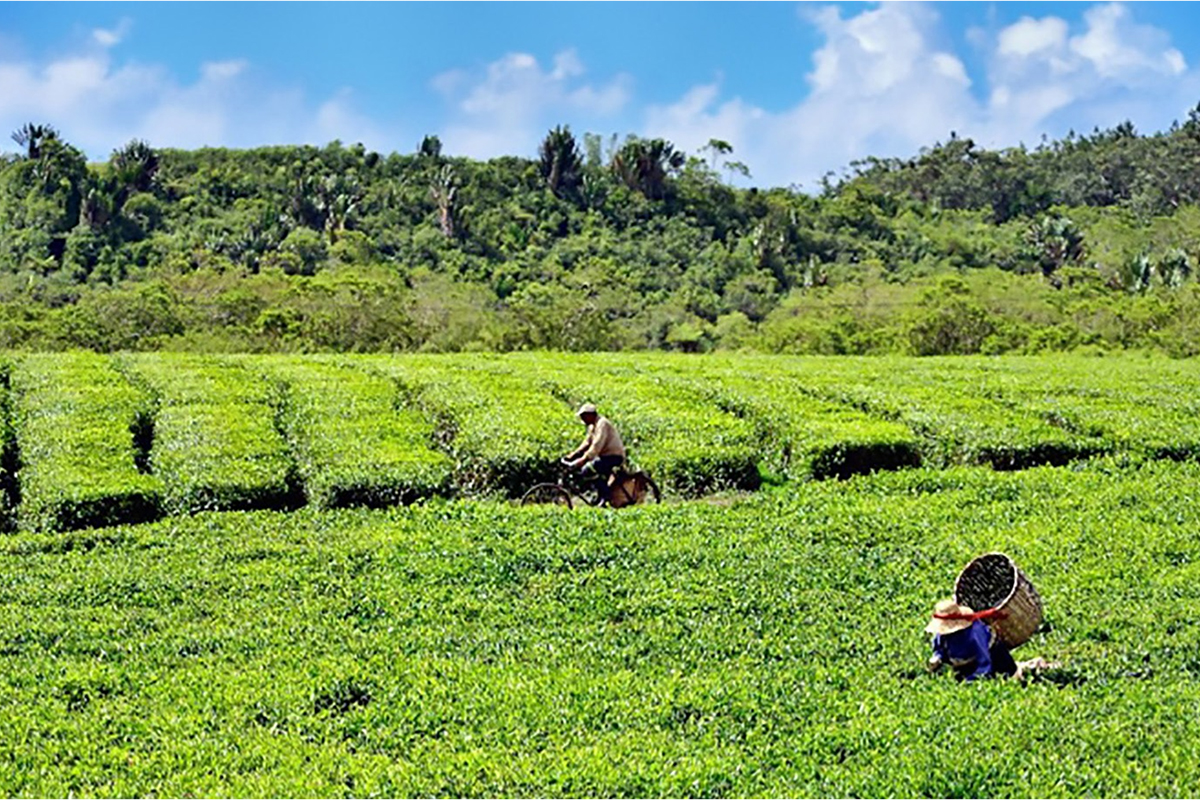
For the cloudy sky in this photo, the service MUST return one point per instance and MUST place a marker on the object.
(798, 89)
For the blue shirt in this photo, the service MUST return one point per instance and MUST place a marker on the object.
(966, 650)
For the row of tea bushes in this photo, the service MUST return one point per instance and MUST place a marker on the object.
(959, 408)
(353, 442)
(1146, 409)
(670, 428)
(102, 439)
(78, 424)
(216, 445)
(771, 646)
(503, 428)
(809, 437)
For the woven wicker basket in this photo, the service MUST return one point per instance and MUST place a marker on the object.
(994, 581)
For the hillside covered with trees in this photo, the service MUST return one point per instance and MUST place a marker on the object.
(1089, 243)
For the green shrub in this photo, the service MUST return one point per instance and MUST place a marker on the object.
(504, 430)
(671, 429)
(78, 423)
(216, 445)
(354, 445)
(803, 436)
(957, 406)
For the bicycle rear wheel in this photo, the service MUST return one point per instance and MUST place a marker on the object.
(545, 494)
(651, 494)
(633, 489)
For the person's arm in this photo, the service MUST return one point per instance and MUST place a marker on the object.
(578, 451)
(938, 658)
(573, 458)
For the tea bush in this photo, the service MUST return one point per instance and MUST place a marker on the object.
(216, 444)
(235, 432)
(504, 429)
(768, 647)
(804, 436)
(354, 445)
(958, 406)
(8, 451)
(1147, 409)
(78, 424)
(672, 429)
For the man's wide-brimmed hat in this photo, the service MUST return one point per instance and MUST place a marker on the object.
(948, 617)
(586, 408)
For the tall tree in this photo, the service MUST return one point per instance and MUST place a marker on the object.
(645, 164)
(1056, 242)
(32, 137)
(560, 164)
(443, 190)
(430, 147)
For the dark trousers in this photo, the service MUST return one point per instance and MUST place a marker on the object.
(604, 465)
(1002, 660)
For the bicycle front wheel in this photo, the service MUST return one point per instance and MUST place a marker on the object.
(547, 494)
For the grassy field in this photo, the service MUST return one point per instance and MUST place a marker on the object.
(751, 636)
(768, 646)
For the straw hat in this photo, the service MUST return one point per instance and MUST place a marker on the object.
(948, 617)
(586, 408)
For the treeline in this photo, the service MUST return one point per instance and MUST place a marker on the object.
(601, 244)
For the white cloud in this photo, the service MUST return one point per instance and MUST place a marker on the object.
(506, 110)
(1116, 46)
(99, 105)
(882, 85)
(877, 87)
(222, 70)
(1028, 36)
(950, 67)
(111, 37)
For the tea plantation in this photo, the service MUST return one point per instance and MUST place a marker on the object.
(350, 604)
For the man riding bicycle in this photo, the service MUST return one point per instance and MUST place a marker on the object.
(602, 450)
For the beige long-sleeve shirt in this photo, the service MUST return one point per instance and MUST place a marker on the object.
(602, 440)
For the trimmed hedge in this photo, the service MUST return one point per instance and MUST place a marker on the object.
(354, 446)
(958, 406)
(808, 437)
(504, 431)
(78, 422)
(216, 445)
(670, 428)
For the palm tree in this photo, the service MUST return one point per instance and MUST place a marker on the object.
(338, 198)
(561, 164)
(1055, 242)
(32, 137)
(443, 191)
(1174, 268)
(644, 164)
(430, 147)
(134, 167)
(135, 164)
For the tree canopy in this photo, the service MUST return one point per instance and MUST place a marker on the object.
(1089, 241)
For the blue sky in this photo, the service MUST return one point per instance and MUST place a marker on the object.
(798, 89)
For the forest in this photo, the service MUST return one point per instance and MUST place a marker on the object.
(1085, 244)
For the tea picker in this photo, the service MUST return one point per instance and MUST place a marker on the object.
(978, 644)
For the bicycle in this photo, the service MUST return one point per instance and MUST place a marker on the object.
(625, 489)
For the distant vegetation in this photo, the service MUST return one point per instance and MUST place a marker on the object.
(1088, 243)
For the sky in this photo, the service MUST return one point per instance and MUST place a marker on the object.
(798, 89)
